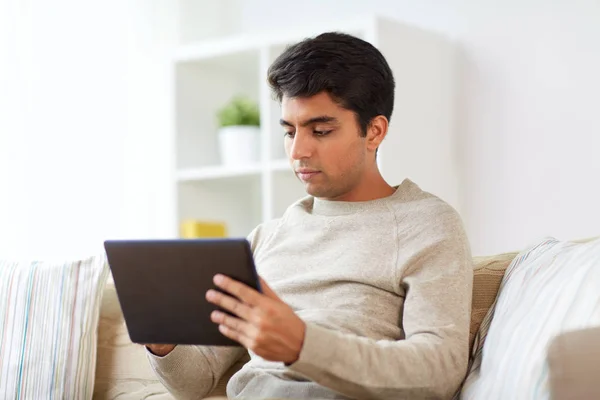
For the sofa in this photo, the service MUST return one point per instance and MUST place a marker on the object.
(123, 372)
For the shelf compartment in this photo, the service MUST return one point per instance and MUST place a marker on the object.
(235, 202)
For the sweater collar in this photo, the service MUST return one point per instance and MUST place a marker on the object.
(335, 208)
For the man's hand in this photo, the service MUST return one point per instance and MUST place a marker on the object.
(264, 323)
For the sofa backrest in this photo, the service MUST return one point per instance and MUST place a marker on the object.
(123, 371)
(487, 276)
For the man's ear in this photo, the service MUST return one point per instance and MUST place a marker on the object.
(376, 132)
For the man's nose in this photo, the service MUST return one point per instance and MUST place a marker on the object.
(302, 146)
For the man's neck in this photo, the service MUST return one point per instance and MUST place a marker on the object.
(372, 187)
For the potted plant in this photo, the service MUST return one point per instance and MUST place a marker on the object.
(239, 131)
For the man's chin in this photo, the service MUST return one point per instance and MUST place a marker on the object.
(311, 190)
(316, 191)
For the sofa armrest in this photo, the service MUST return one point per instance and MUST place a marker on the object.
(573, 359)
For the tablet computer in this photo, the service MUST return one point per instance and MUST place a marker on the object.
(161, 286)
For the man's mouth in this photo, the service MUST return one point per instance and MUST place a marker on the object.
(306, 174)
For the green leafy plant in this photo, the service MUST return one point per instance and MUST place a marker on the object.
(239, 111)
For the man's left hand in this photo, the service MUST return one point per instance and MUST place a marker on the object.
(264, 323)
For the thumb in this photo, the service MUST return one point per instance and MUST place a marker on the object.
(267, 291)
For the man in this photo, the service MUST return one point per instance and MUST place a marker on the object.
(366, 286)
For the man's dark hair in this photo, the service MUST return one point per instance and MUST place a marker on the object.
(351, 70)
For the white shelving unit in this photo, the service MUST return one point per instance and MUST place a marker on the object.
(419, 144)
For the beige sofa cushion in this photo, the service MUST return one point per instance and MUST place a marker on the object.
(573, 359)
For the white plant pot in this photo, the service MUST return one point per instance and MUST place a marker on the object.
(239, 144)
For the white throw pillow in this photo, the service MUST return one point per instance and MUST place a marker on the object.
(49, 326)
(548, 289)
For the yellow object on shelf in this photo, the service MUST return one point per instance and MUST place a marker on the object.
(192, 229)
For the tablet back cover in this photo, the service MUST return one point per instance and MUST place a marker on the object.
(161, 286)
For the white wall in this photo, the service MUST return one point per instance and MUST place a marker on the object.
(529, 124)
(83, 124)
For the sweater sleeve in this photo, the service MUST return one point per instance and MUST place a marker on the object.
(192, 372)
(431, 361)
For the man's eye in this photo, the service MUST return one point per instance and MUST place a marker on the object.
(288, 134)
(321, 133)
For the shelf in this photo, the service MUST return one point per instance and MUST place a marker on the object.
(217, 172)
(220, 172)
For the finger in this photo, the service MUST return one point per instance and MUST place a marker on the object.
(235, 335)
(233, 323)
(229, 303)
(239, 290)
(267, 291)
(272, 352)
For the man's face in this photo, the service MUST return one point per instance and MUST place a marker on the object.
(324, 145)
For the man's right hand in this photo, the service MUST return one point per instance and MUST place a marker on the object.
(160, 350)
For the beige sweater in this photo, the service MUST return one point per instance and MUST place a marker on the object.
(384, 287)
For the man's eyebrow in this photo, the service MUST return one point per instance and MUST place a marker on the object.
(323, 119)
